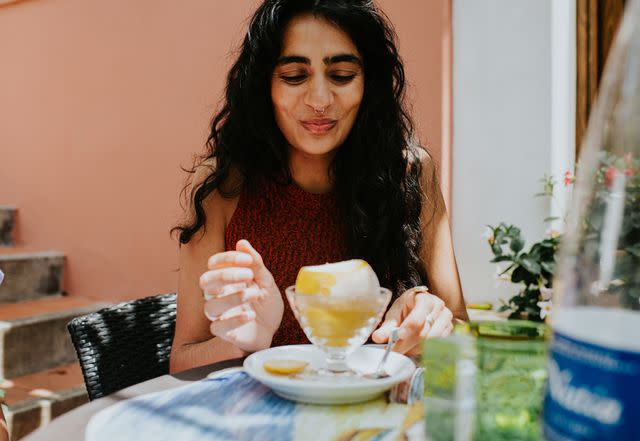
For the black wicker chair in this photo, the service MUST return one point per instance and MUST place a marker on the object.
(124, 344)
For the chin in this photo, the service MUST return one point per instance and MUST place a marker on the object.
(316, 148)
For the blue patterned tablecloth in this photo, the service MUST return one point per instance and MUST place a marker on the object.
(236, 407)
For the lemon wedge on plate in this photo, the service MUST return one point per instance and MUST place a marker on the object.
(284, 366)
(347, 278)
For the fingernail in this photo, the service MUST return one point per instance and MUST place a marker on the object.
(241, 274)
(250, 315)
(250, 294)
(204, 280)
(244, 259)
(248, 245)
(209, 316)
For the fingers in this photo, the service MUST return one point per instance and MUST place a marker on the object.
(219, 305)
(391, 320)
(225, 290)
(442, 326)
(384, 331)
(229, 258)
(213, 281)
(231, 320)
(400, 308)
(411, 327)
(438, 309)
(262, 275)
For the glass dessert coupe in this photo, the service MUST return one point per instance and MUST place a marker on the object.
(338, 324)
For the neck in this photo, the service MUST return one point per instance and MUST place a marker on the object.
(310, 172)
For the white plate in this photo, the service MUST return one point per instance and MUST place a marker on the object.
(329, 390)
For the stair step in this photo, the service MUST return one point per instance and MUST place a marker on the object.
(7, 222)
(30, 274)
(34, 336)
(34, 400)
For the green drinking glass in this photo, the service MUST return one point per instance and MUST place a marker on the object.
(511, 375)
(507, 379)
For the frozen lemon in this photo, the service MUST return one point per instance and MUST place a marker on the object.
(284, 366)
(348, 278)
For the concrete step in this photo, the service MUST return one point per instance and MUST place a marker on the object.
(34, 400)
(30, 274)
(34, 336)
(7, 222)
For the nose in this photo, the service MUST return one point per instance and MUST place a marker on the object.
(319, 94)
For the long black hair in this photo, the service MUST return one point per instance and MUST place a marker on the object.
(376, 172)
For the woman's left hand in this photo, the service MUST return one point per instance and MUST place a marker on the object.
(419, 315)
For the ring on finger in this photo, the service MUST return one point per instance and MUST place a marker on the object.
(430, 320)
(428, 326)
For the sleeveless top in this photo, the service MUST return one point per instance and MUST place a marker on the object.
(290, 228)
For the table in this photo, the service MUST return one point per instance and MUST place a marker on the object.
(71, 426)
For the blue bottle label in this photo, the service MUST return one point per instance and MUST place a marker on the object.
(593, 392)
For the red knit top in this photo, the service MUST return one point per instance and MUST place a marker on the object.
(289, 227)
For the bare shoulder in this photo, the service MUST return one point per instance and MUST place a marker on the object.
(220, 204)
(417, 155)
(433, 205)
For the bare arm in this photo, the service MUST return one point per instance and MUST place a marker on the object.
(193, 343)
(437, 247)
(421, 314)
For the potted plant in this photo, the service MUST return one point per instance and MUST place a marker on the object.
(533, 268)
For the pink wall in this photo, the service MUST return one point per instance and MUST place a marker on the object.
(101, 102)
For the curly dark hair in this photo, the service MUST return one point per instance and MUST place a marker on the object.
(377, 170)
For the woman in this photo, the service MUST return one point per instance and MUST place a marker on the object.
(310, 161)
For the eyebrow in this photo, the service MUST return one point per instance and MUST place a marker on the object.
(340, 58)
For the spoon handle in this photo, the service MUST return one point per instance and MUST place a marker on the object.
(393, 338)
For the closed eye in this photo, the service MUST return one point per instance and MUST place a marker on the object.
(293, 79)
(342, 79)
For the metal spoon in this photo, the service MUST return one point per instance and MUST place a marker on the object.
(380, 372)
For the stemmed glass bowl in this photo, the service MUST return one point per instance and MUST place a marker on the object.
(338, 324)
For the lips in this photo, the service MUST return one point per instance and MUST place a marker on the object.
(319, 126)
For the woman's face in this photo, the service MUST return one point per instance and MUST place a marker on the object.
(317, 85)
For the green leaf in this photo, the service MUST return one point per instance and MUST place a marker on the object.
(497, 249)
(517, 244)
(502, 258)
(530, 264)
(549, 267)
(518, 275)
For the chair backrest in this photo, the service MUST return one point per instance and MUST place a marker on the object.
(124, 344)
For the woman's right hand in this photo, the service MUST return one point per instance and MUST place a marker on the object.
(243, 302)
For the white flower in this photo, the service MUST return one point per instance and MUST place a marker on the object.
(499, 277)
(488, 235)
(545, 309)
(546, 293)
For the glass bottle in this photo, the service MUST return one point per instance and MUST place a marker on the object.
(593, 392)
